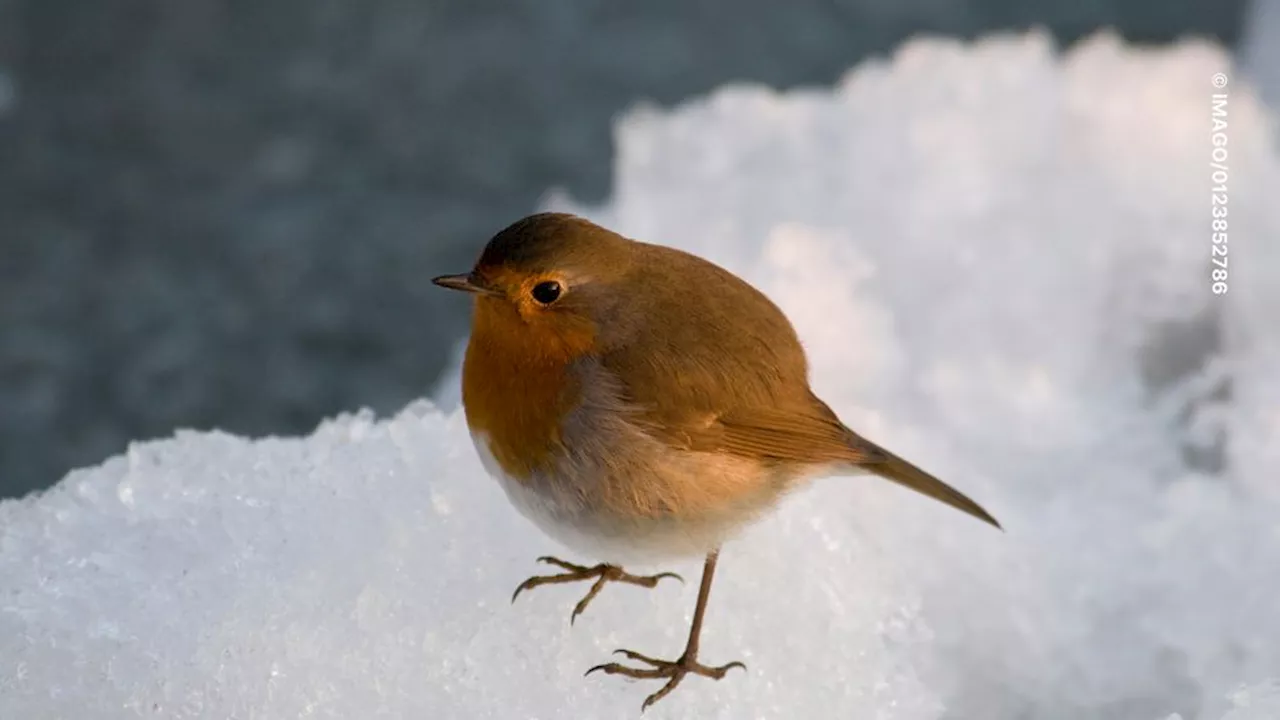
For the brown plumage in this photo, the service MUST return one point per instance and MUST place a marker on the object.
(638, 402)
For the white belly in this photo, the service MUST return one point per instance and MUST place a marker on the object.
(562, 508)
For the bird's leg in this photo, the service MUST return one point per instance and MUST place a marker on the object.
(601, 573)
(675, 671)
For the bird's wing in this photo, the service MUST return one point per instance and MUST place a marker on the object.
(727, 374)
(741, 404)
(783, 434)
(716, 366)
(792, 426)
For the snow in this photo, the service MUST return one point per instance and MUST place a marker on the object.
(998, 258)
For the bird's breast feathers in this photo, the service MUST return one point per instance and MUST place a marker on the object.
(608, 484)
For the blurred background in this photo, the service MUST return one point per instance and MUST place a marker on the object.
(225, 213)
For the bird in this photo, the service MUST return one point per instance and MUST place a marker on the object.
(639, 405)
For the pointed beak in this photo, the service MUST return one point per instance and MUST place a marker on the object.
(465, 283)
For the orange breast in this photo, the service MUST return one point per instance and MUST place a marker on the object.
(516, 389)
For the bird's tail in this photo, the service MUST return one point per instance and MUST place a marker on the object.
(891, 467)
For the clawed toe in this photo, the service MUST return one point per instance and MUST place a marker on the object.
(601, 574)
(667, 667)
(674, 671)
(548, 560)
(632, 655)
(637, 673)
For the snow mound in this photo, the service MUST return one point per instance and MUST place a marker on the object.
(998, 258)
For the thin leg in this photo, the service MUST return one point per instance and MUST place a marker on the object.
(688, 662)
(601, 573)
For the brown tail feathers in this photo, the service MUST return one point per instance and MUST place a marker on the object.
(891, 467)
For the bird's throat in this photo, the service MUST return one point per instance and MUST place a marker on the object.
(517, 392)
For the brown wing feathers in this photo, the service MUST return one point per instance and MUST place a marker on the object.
(794, 436)
(732, 377)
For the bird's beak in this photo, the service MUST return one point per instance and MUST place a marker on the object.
(465, 283)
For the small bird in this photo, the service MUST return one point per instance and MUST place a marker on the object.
(640, 404)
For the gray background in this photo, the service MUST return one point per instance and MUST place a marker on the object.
(224, 213)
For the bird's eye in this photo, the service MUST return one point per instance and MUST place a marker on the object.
(546, 292)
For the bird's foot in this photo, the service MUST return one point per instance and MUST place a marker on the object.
(674, 671)
(601, 573)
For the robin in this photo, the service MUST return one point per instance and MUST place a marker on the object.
(640, 404)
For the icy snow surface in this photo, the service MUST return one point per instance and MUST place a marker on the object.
(998, 259)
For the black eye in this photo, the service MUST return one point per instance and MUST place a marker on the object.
(546, 292)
